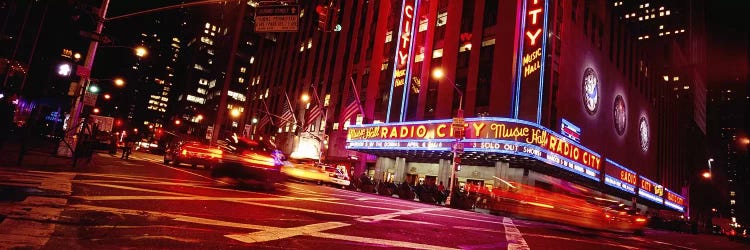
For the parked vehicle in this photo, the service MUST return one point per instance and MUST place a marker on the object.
(192, 152)
(250, 162)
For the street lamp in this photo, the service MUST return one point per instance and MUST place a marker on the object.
(458, 128)
(235, 113)
(305, 98)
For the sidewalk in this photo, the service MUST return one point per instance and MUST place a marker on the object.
(35, 158)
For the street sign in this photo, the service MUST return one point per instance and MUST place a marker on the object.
(95, 36)
(89, 98)
(277, 18)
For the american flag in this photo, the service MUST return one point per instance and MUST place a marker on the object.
(353, 105)
(263, 121)
(287, 115)
(311, 115)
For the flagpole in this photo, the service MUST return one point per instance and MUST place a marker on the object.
(294, 115)
(356, 95)
(320, 105)
(267, 111)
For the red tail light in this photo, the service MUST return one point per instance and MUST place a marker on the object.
(640, 219)
(184, 152)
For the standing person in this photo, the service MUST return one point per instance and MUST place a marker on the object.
(441, 187)
(127, 149)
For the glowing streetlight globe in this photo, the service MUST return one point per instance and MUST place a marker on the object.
(438, 73)
(305, 98)
(235, 113)
(93, 89)
(119, 82)
(141, 51)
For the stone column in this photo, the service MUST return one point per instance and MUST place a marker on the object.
(501, 171)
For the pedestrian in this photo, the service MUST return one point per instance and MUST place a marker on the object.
(113, 144)
(127, 149)
(441, 188)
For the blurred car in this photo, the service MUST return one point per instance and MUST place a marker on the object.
(739, 234)
(192, 152)
(717, 230)
(625, 219)
(250, 162)
(311, 170)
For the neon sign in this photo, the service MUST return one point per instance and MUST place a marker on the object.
(674, 201)
(650, 190)
(617, 176)
(531, 60)
(500, 135)
(402, 61)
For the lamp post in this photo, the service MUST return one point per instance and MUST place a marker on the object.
(458, 129)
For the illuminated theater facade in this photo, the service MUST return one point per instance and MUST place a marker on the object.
(554, 92)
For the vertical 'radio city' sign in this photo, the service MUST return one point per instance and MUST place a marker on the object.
(532, 51)
(402, 61)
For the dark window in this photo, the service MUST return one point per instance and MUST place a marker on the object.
(467, 16)
(484, 79)
(490, 13)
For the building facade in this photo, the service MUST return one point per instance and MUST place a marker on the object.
(552, 92)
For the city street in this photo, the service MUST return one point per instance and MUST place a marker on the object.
(141, 203)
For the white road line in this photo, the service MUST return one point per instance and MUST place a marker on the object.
(596, 242)
(513, 236)
(185, 171)
(379, 217)
(283, 233)
(312, 233)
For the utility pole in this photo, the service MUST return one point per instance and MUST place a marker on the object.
(222, 109)
(75, 113)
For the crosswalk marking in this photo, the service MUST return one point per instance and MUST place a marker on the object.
(514, 236)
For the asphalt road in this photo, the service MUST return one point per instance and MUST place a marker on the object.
(140, 203)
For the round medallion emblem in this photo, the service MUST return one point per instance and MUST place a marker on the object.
(620, 115)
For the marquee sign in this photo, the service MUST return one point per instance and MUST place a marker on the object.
(617, 176)
(403, 59)
(531, 60)
(499, 135)
(674, 201)
(650, 190)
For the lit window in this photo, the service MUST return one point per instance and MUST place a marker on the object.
(682, 30)
(661, 8)
(195, 99)
(676, 78)
(686, 87)
(252, 59)
(388, 36)
(488, 42)
(732, 202)
(667, 13)
(731, 193)
(309, 43)
(301, 48)
(640, 18)
(327, 100)
(419, 57)
(208, 25)
(627, 15)
(653, 15)
(442, 18)
(661, 13)
(241, 80)
(243, 69)
(202, 91)
(640, 38)
(422, 25)
(666, 78)
(661, 27)
(438, 53)
(646, 5)
(203, 82)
